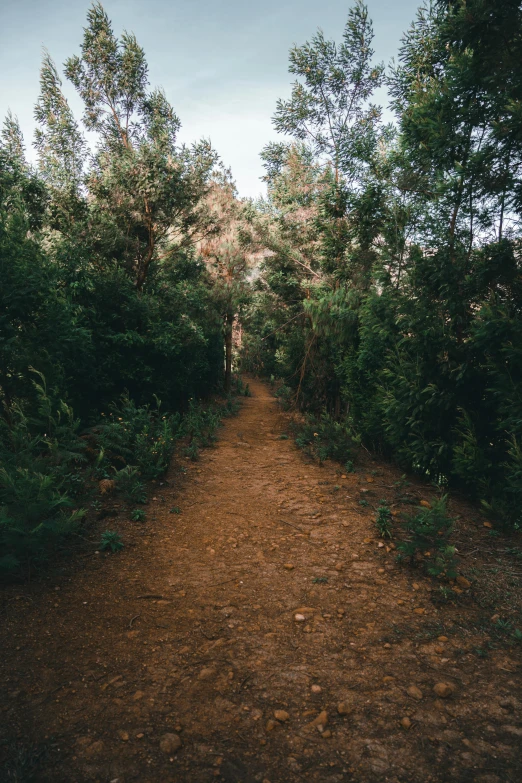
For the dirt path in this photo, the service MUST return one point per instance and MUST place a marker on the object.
(193, 631)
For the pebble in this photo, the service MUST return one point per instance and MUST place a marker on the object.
(406, 723)
(316, 689)
(289, 566)
(138, 695)
(443, 689)
(339, 566)
(206, 674)
(442, 639)
(299, 618)
(281, 715)
(419, 610)
(321, 720)
(326, 734)
(463, 582)
(343, 708)
(170, 743)
(425, 504)
(414, 692)
(270, 725)
(381, 571)
(123, 735)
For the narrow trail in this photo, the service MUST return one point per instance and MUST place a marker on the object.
(191, 632)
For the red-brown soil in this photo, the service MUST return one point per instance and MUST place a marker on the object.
(191, 631)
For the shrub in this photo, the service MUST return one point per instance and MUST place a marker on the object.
(384, 520)
(427, 541)
(111, 540)
(324, 438)
(42, 456)
(139, 435)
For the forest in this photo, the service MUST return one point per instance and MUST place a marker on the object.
(261, 459)
(379, 280)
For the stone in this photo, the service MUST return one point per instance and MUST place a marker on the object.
(443, 689)
(339, 566)
(123, 735)
(207, 673)
(321, 720)
(414, 692)
(270, 725)
(138, 695)
(463, 582)
(170, 743)
(425, 504)
(406, 723)
(316, 689)
(442, 639)
(289, 566)
(281, 715)
(419, 610)
(343, 708)
(299, 618)
(388, 679)
(326, 734)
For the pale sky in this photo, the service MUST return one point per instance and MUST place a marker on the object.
(222, 63)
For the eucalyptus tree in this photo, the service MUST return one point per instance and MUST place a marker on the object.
(228, 260)
(145, 191)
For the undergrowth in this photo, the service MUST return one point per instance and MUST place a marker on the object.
(325, 438)
(427, 541)
(51, 473)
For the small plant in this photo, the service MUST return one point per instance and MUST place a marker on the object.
(384, 520)
(325, 438)
(363, 502)
(349, 466)
(320, 580)
(427, 541)
(111, 540)
(283, 437)
(191, 451)
(175, 510)
(138, 515)
(128, 481)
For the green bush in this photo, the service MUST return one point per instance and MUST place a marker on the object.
(42, 457)
(111, 540)
(427, 540)
(384, 520)
(324, 438)
(142, 436)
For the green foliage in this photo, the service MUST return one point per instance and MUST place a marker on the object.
(384, 520)
(41, 456)
(138, 515)
(141, 434)
(392, 290)
(324, 438)
(427, 540)
(128, 482)
(110, 540)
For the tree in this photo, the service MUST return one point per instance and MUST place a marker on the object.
(146, 193)
(227, 260)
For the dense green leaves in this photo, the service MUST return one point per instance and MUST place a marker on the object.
(392, 290)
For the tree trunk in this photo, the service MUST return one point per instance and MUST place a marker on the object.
(229, 322)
